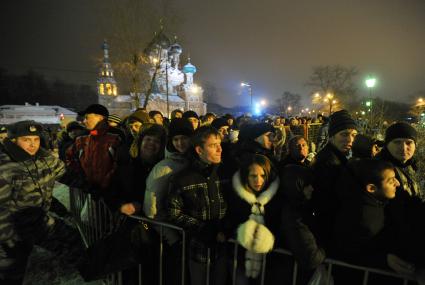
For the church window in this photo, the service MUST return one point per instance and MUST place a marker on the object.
(101, 89)
(114, 90)
(108, 89)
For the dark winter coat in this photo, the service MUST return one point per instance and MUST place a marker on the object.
(297, 218)
(327, 168)
(26, 186)
(407, 209)
(196, 203)
(361, 234)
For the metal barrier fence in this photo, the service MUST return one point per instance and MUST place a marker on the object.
(95, 220)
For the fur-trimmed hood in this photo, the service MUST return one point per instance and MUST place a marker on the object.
(257, 202)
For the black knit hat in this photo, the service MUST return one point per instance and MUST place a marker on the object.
(339, 121)
(154, 112)
(96, 109)
(24, 128)
(180, 126)
(253, 131)
(219, 122)
(400, 130)
(190, 114)
(74, 125)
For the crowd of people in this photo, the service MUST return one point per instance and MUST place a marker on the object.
(261, 182)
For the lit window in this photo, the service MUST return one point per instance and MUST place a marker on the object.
(114, 90)
(101, 89)
(108, 89)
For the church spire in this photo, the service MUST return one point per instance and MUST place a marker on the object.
(106, 84)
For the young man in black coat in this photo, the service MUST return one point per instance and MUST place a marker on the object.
(196, 203)
(362, 235)
(407, 208)
(329, 163)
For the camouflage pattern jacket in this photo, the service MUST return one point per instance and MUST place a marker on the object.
(26, 182)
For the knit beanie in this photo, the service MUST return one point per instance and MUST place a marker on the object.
(219, 122)
(154, 112)
(179, 126)
(114, 119)
(339, 121)
(190, 114)
(24, 128)
(253, 131)
(140, 116)
(400, 130)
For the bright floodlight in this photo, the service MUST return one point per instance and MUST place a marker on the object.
(263, 102)
(370, 82)
(245, 84)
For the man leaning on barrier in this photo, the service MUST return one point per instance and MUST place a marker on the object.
(196, 204)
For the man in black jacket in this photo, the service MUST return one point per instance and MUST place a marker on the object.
(408, 205)
(196, 203)
(330, 161)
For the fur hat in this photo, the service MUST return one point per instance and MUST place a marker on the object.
(140, 116)
(96, 109)
(190, 114)
(24, 128)
(400, 130)
(339, 121)
(113, 118)
(253, 131)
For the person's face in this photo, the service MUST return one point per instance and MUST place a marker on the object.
(402, 149)
(230, 122)
(135, 127)
(113, 124)
(389, 185)
(3, 136)
(178, 115)
(277, 122)
(256, 177)
(181, 143)
(300, 149)
(91, 120)
(343, 140)
(375, 150)
(31, 144)
(294, 122)
(194, 121)
(224, 133)
(210, 152)
(150, 147)
(210, 119)
(158, 119)
(308, 192)
(266, 140)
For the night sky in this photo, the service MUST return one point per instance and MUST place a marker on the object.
(272, 44)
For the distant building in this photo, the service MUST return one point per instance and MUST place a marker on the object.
(44, 114)
(170, 79)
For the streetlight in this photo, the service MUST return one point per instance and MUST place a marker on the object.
(329, 99)
(263, 102)
(244, 84)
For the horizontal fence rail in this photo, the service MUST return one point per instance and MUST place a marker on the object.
(95, 220)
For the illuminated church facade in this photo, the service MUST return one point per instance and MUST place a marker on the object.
(170, 80)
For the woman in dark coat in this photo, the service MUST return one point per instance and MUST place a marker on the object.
(297, 220)
(255, 203)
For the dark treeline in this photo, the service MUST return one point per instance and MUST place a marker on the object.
(32, 87)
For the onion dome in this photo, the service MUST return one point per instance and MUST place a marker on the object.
(189, 68)
(175, 49)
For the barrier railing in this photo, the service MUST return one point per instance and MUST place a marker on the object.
(94, 220)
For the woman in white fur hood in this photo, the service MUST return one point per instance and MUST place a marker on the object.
(254, 208)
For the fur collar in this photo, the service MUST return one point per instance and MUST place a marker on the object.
(257, 202)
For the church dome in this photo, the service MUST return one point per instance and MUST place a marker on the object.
(189, 68)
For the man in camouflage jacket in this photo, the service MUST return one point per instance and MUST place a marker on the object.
(27, 178)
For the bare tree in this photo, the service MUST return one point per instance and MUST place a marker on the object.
(289, 100)
(335, 79)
